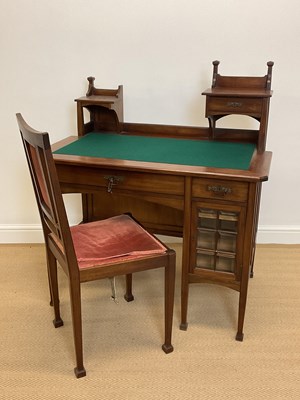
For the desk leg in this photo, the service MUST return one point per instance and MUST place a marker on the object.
(243, 297)
(184, 301)
(242, 308)
(87, 200)
(257, 205)
(170, 270)
(249, 243)
(186, 252)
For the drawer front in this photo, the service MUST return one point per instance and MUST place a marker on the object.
(144, 182)
(113, 180)
(220, 189)
(238, 105)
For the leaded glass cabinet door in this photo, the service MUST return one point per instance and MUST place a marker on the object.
(217, 241)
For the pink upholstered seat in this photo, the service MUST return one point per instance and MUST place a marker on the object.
(106, 242)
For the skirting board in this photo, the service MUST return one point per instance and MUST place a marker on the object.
(281, 234)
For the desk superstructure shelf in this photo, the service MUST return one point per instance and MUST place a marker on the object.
(240, 95)
(105, 108)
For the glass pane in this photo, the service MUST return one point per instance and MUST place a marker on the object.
(206, 261)
(227, 242)
(228, 221)
(206, 239)
(207, 219)
(225, 264)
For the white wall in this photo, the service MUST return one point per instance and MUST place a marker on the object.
(161, 51)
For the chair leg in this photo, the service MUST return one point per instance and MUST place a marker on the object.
(49, 279)
(128, 295)
(52, 270)
(169, 303)
(48, 254)
(75, 297)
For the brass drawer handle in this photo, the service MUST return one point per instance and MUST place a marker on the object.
(112, 181)
(234, 104)
(219, 190)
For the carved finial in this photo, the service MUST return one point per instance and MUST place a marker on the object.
(215, 72)
(269, 74)
(91, 87)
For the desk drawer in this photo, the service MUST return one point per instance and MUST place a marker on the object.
(89, 179)
(143, 182)
(232, 105)
(220, 189)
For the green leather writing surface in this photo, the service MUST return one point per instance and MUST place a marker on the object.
(162, 150)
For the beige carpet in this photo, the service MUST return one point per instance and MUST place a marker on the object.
(122, 342)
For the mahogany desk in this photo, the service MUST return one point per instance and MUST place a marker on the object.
(206, 191)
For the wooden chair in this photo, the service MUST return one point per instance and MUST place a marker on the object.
(91, 251)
